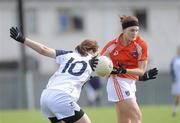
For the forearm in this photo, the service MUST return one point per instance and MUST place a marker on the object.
(137, 71)
(40, 48)
(17, 35)
(140, 70)
(34, 45)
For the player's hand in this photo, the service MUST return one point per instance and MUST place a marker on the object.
(93, 62)
(17, 35)
(119, 69)
(150, 74)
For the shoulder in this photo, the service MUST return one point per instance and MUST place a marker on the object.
(62, 52)
(108, 47)
(141, 42)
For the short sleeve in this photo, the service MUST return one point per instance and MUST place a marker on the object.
(142, 49)
(108, 47)
(145, 52)
(60, 54)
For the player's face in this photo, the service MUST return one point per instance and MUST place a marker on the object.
(131, 32)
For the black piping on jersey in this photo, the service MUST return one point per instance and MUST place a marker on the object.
(62, 52)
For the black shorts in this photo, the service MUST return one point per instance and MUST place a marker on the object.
(71, 119)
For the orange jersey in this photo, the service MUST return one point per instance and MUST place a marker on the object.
(128, 56)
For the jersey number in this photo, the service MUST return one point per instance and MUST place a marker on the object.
(70, 66)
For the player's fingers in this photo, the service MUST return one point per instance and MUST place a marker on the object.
(153, 78)
(94, 66)
(95, 62)
(13, 31)
(12, 36)
(95, 59)
(17, 29)
(12, 28)
(154, 69)
(154, 73)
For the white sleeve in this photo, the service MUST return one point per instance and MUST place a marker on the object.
(58, 59)
(60, 54)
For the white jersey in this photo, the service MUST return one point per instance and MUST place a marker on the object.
(73, 72)
(175, 69)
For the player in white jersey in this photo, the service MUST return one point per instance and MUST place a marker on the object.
(175, 72)
(59, 99)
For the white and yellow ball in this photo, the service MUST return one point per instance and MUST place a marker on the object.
(104, 66)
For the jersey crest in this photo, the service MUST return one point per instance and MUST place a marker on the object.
(134, 54)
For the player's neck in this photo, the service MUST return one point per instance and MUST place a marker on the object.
(125, 40)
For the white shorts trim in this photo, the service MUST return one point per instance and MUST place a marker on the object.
(119, 89)
(55, 103)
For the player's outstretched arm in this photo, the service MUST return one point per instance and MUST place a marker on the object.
(17, 35)
(150, 74)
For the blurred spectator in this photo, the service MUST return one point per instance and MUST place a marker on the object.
(175, 73)
(93, 90)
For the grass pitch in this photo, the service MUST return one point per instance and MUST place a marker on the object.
(151, 114)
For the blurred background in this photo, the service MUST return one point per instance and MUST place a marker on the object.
(62, 24)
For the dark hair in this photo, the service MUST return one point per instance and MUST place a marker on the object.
(128, 21)
(86, 46)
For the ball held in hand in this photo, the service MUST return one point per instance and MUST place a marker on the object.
(104, 66)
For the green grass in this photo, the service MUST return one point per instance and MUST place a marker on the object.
(159, 114)
(151, 114)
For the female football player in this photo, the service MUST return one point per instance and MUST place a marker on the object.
(59, 99)
(129, 54)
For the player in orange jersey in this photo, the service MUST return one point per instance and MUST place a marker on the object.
(129, 54)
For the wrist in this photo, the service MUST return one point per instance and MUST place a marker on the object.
(25, 40)
(124, 71)
(142, 79)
